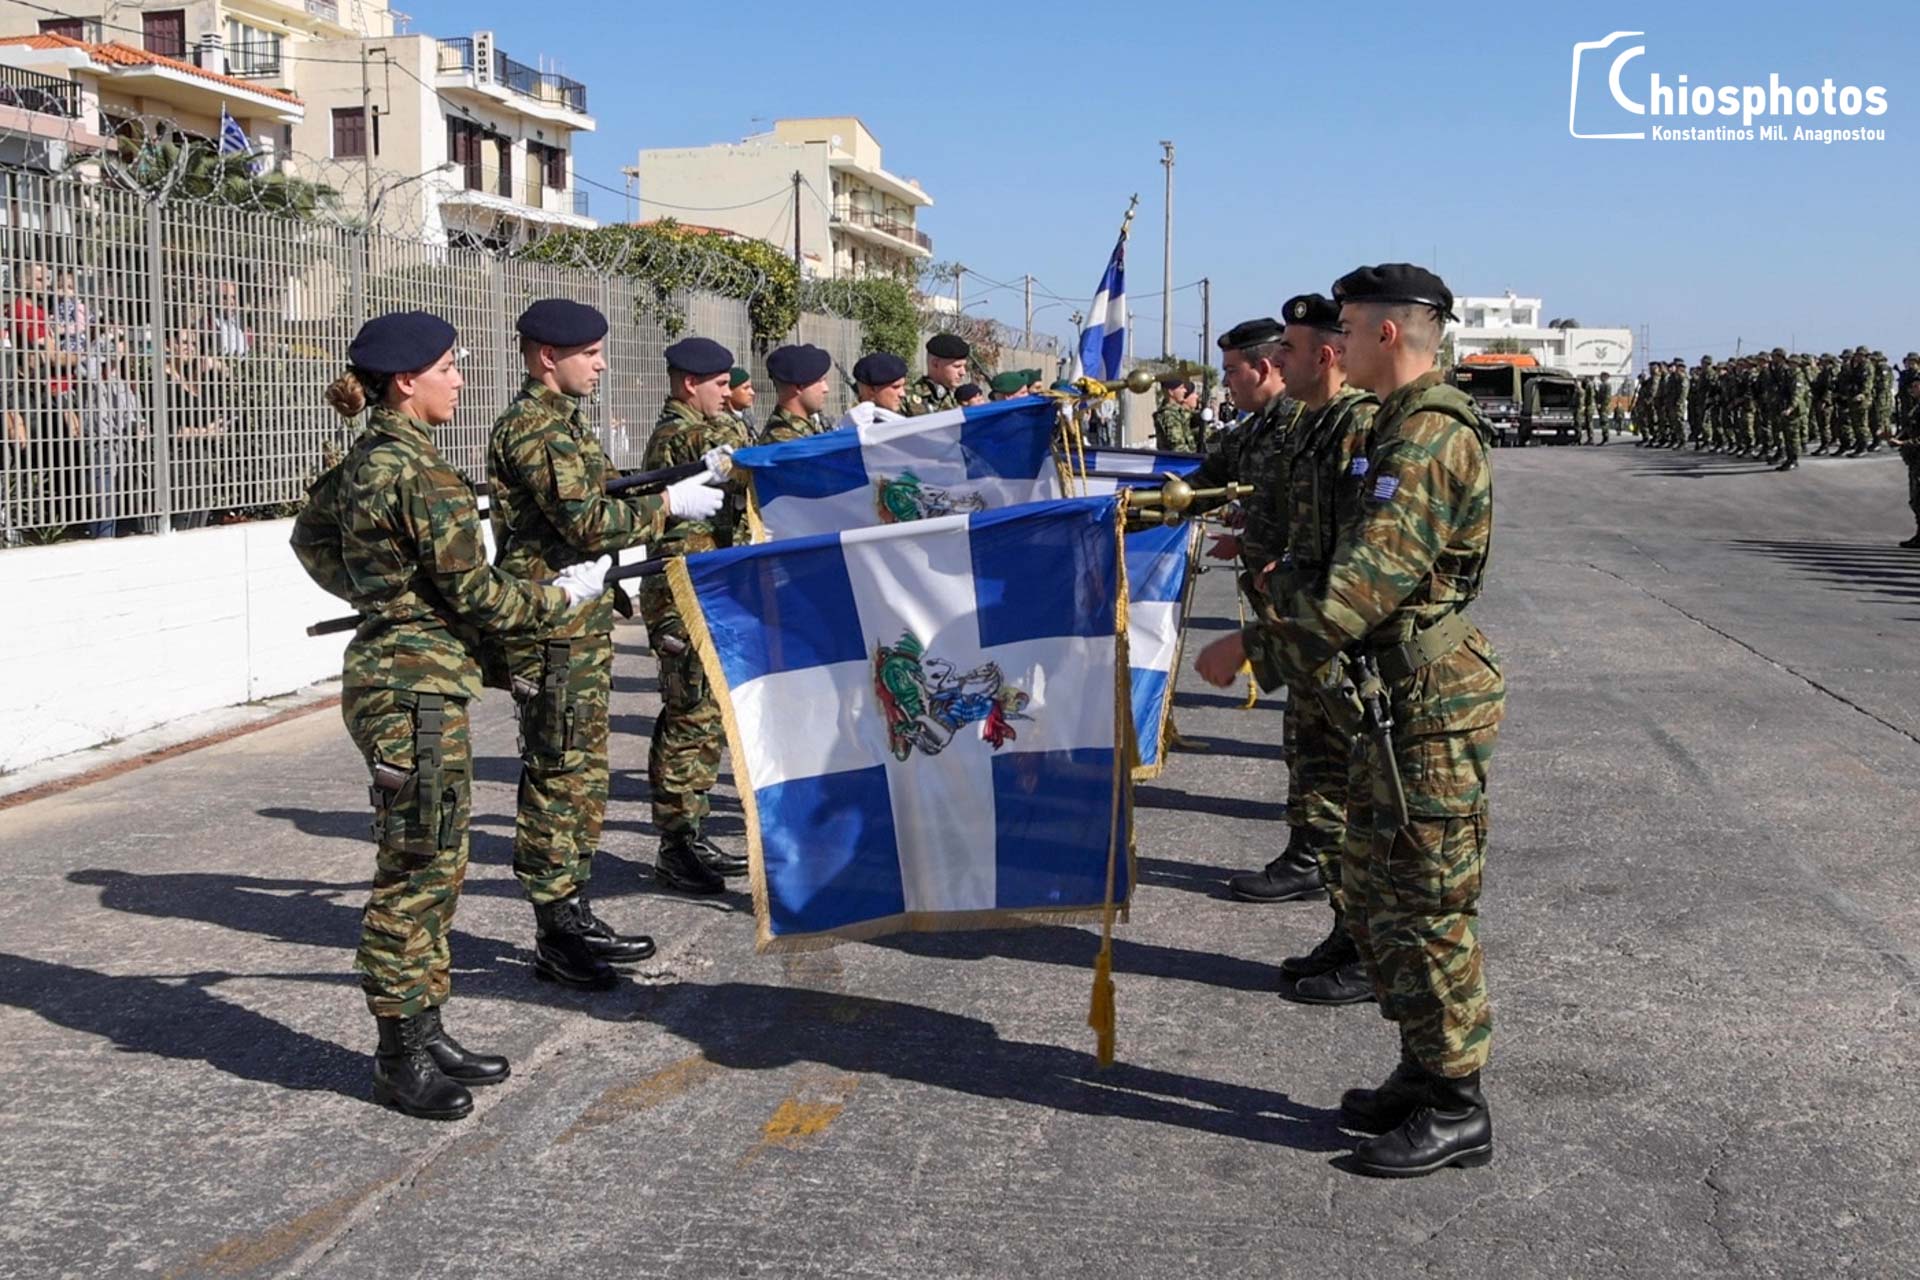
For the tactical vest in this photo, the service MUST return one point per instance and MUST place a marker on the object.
(1458, 405)
(1315, 523)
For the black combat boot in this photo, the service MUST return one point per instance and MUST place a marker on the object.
(406, 1078)
(1294, 876)
(457, 1062)
(1451, 1126)
(1349, 984)
(560, 949)
(1913, 543)
(722, 862)
(612, 947)
(1856, 451)
(1788, 464)
(1378, 1110)
(678, 866)
(1330, 953)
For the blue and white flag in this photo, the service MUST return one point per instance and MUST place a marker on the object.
(953, 463)
(233, 139)
(1159, 576)
(927, 720)
(1103, 343)
(1143, 469)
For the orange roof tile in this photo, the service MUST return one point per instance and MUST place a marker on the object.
(116, 54)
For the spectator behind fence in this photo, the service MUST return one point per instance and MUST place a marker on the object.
(227, 333)
(43, 390)
(114, 423)
(196, 424)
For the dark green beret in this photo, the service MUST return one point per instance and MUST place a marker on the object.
(1398, 283)
(401, 342)
(738, 376)
(1009, 382)
(562, 322)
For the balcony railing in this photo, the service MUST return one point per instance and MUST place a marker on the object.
(886, 226)
(254, 59)
(46, 95)
(457, 55)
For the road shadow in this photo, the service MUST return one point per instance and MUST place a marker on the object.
(1241, 747)
(754, 1027)
(1212, 623)
(1190, 877)
(1218, 806)
(1879, 571)
(1075, 948)
(181, 1018)
(1228, 701)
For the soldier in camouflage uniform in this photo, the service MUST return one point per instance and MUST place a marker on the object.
(1880, 403)
(932, 391)
(1174, 428)
(1582, 411)
(1603, 398)
(1853, 393)
(683, 761)
(1326, 470)
(800, 386)
(1907, 436)
(550, 510)
(1395, 593)
(395, 530)
(1823, 378)
(740, 398)
(1792, 400)
(1255, 453)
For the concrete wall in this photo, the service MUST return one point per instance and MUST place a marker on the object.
(680, 183)
(109, 638)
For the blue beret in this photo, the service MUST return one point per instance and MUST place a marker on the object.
(879, 369)
(800, 366)
(401, 342)
(1395, 282)
(561, 322)
(1313, 311)
(702, 357)
(1250, 333)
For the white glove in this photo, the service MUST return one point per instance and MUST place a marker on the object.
(693, 498)
(719, 461)
(582, 582)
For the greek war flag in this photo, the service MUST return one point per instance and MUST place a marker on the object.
(1151, 469)
(927, 720)
(941, 464)
(1103, 343)
(1159, 575)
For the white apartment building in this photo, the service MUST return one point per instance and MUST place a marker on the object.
(855, 217)
(463, 142)
(1509, 322)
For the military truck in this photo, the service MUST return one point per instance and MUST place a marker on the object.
(1547, 400)
(1495, 388)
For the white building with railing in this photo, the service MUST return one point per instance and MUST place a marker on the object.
(1512, 324)
(855, 217)
(451, 138)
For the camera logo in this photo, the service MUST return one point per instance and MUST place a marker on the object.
(1620, 60)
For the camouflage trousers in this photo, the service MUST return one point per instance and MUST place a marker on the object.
(1412, 896)
(1822, 430)
(683, 761)
(420, 826)
(1317, 766)
(1851, 425)
(1793, 435)
(562, 688)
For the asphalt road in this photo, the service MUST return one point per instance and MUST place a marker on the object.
(1701, 923)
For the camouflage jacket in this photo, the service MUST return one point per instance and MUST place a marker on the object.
(1173, 430)
(1327, 477)
(1881, 395)
(547, 478)
(789, 426)
(680, 436)
(924, 395)
(1255, 453)
(1416, 551)
(395, 531)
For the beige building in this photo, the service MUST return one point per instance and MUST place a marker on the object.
(464, 143)
(856, 218)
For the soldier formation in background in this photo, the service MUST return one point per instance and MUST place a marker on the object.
(1774, 408)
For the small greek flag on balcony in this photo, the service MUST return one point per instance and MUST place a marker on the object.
(234, 140)
(953, 463)
(927, 720)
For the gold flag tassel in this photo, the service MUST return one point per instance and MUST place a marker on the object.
(1246, 666)
(1101, 1014)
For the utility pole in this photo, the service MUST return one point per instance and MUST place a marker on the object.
(1206, 320)
(1026, 340)
(796, 225)
(959, 288)
(366, 142)
(1166, 274)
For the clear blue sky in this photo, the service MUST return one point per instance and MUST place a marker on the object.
(1310, 139)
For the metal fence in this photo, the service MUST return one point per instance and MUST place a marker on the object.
(161, 364)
